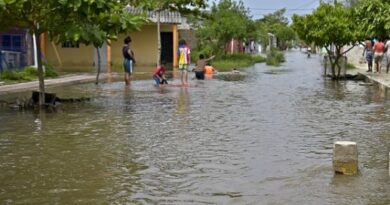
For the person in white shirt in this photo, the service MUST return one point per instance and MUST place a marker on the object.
(387, 47)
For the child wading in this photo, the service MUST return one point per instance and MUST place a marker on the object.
(184, 61)
(159, 74)
(200, 66)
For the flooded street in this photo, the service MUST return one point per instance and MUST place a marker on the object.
(264, 140)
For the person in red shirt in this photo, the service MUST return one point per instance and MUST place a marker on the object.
(159, 74)
(379, 48)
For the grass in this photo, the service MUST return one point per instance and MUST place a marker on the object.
(26, 74)
(228, 62)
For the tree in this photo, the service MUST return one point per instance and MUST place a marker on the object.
(328, 25)
(227, 20)
(374, 19)
(55, 17)
(277, 24)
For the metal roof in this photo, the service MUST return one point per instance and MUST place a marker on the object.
(169, 17)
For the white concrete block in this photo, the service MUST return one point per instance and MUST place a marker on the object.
(345, 157)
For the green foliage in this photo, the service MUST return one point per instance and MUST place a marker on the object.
(374, 19)
(26, 74)
(50, 71)
(277, 24)
(228, 19)
(228, 62)
(329, 24)
(184, 6)
(85, 21)
(98, 22)
(10, 75)
(259, 59)
(275, 57)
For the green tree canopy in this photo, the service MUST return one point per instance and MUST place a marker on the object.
(374, 18)
(277, 24)
(329, 24)
(228, 19)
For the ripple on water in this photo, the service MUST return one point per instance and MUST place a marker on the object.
(266, 139)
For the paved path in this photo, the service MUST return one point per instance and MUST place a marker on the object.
(382, 78)
(65, 80)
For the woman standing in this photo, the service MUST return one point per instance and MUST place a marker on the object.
(128, 61)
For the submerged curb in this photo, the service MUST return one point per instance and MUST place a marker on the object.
(382, 78)
(65, 80)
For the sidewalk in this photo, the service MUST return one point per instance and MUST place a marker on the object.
(355, 57)
(64, 80)
(382, 78)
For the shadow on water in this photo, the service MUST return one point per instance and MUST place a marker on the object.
(263, 139)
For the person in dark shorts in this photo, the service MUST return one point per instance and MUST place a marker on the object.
(128, 60)
(369, 54)
(200, 66)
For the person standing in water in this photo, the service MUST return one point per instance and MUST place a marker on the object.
(184, 60)
(128, 60)
(369, 54)
(200, 66)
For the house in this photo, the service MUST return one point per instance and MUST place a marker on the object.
(18, 46)
(73, 56)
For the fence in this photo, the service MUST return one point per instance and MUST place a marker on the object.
(11, 60)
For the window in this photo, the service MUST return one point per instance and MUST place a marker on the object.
(12, 42)
(70, 44)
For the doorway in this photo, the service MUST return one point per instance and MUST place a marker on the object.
(167, 48)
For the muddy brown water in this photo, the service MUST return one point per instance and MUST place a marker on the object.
(266, 139)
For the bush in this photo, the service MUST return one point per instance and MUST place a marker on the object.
(10, 75)
(49, 71)
(275, 57)
(27, 74)
(228, 62)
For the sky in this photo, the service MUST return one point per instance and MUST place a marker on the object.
(258, 8)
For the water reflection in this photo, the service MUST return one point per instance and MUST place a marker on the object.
(183, 101)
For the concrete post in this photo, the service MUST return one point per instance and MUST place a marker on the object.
(345, 157)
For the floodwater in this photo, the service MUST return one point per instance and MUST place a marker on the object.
(266, 139)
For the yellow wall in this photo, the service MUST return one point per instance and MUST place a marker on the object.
(81, 57)
(144, 45)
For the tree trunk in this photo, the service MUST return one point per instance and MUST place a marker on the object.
(339, 71)
(158, 38)
(333, 70)
(99, 65)
(40, 69)
(338, 53)
(332, 66)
